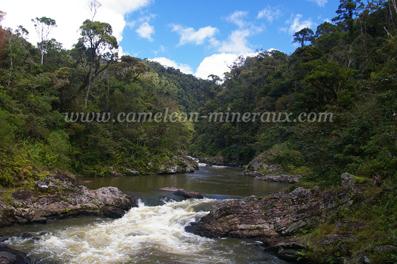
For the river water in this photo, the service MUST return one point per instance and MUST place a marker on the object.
(154, 231)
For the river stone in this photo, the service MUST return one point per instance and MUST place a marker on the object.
(63, 198)
(262, 169)
(12, 256)
(269, 218)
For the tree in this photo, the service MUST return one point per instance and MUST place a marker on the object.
(94, 5)
(324, 29)
(43, 26)
(347, 11)
(303, 36)
(16, 49)
(100, 46)
(2, 32)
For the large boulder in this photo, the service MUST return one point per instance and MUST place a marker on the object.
(263, 169)
(178, 164)
(269, 218)
(183, 193)
(12, 256)
(60, 196)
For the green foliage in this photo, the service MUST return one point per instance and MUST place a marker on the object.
(34, 137)
(349, 70)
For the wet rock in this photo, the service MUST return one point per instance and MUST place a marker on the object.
(183, 193)
(63, 198)
(273, 218)
(112, 212)
(188, 195)
(287, 250)
(12, 256)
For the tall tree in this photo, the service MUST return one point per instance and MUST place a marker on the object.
(304, 35)
(347, 11)
(43, 26)
(94, 5)
(100, 48)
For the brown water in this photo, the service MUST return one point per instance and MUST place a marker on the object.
(213, 182)
(154, 231)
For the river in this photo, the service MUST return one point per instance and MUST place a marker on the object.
(154, 231)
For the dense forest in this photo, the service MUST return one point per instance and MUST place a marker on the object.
(347, 66)
(39, 85)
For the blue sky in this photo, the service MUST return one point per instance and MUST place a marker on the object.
(200, 37)
(271, 28)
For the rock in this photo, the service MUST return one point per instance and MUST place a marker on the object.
(287, 250)
(348, 180)
(277, 217)
(262, 169)
(183, 193)
(178, 164)
(280, 178)
(42, 186)
(217, 161)
(63, 198)
(365, 260)
(12, 256)
(131, 172)
(112, 212)
(188, 195)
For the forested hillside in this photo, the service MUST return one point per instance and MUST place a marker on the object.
(39, 85)
(348, 68)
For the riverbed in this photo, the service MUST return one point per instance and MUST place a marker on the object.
(153, 232)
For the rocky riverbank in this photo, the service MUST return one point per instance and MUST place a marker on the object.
(286, 223)
(263, 167)
(60, 196)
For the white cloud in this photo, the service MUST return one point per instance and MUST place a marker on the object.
(218, 64)
(236, 43)
(69, 15)
(296, 24)
(237, 18)
(320, 2)
(190, 35)
(145, 30)
(269, 13)
(172, 64)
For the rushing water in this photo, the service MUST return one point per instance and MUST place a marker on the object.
(149, 234)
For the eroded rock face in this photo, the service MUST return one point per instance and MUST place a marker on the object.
(270, 218)
(261, 169)
(60, 196)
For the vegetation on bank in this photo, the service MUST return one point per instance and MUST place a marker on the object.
(347, 68)
(39, 85)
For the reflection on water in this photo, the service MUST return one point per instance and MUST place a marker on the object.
(213, 182)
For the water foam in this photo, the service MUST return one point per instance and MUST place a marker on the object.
(143, 231)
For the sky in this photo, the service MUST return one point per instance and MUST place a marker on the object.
(199, 37)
